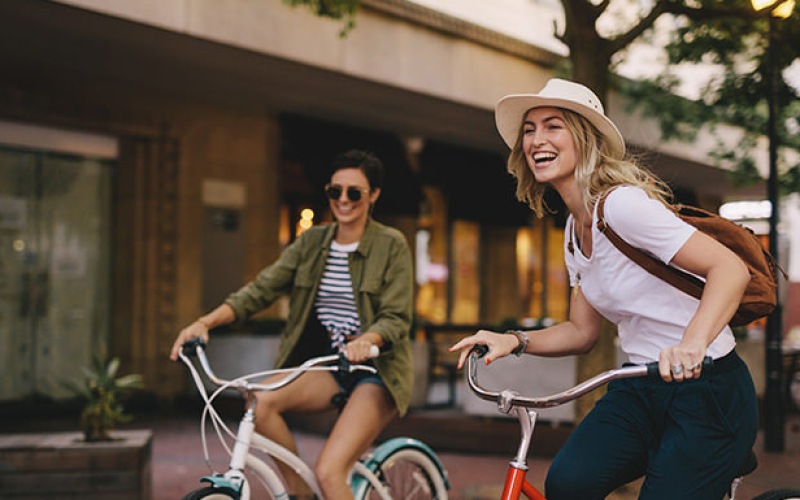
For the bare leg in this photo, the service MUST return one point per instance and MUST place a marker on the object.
(366, 413)
(311, 392)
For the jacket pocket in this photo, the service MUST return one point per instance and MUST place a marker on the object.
(303, 277)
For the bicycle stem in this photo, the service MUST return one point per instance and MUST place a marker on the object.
(527, 421)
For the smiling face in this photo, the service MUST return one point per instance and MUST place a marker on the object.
(548, 146)
(347, 212)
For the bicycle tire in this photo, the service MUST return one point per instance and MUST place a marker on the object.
(411, 475)
(212, 493)
(780, 494)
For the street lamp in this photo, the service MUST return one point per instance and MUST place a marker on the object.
(773, 396)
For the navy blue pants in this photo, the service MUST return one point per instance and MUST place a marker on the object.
(688, 439)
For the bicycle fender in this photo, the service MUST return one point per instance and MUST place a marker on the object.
(379, 454)
(220, 481)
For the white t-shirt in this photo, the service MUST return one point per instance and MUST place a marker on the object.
(650, 314)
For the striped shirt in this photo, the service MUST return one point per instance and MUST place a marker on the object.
(335, 304)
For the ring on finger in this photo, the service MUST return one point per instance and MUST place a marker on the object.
(677, 369)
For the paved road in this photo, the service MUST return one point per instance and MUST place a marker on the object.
(177, 463)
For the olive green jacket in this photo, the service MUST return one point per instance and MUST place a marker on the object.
(382, 273)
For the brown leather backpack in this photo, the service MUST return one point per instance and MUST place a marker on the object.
(760, 296)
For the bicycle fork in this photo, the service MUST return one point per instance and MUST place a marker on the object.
(234, 478)
(242, 446)
(516, 482)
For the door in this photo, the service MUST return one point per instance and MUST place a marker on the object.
(54, 268)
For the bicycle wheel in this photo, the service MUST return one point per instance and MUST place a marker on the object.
(781, 494)
(212, 493)
(409, 474)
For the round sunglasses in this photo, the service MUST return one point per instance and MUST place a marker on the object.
(334, 192)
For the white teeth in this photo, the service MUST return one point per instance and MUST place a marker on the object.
(543, 157)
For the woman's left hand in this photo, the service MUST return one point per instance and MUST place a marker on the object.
(500, 345)
(358, 350)
(681, 362)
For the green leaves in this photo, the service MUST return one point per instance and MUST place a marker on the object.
(343, 10)
(102, 390)
(730, 36)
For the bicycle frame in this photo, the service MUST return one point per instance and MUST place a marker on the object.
(246, 437)
(363, 474)
(510, 401)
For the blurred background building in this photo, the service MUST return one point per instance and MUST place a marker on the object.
(155, 155)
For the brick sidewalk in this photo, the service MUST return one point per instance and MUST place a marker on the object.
(177, 461)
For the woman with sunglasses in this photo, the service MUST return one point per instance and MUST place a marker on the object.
(689, 431)
(350, 287)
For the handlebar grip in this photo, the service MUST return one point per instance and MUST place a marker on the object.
(652, 367)
(480, 350)
(374, 351)
(189, 348)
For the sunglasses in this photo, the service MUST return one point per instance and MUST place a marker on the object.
(334, 192)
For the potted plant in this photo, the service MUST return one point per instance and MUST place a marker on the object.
(103, 391)
(98, 464)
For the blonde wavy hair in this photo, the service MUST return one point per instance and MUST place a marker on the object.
(596, 172)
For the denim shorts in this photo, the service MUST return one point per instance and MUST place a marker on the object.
(348, 381)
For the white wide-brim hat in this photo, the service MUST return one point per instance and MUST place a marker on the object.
(557, 93)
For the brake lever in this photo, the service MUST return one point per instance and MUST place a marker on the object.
(189, 348)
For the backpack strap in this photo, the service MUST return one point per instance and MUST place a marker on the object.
(683, 281)
(570, 245)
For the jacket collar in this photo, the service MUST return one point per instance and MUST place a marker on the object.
(366, 241)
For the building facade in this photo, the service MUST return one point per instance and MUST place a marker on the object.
(156, 155)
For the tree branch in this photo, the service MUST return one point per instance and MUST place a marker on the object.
(707, 13)
(621, 41)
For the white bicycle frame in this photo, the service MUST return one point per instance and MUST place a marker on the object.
(242, 457)
(246, 437)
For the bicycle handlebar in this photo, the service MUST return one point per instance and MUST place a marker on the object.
(196, 347)
(507, 399)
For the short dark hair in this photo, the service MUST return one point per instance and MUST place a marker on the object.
(368, 163)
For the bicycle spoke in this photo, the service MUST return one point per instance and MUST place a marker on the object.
(409, 475)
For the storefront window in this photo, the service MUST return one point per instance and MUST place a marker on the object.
(466, 286)
(431, 261)
(55, 259)
(542, 275)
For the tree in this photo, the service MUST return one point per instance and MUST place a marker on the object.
(735, 42)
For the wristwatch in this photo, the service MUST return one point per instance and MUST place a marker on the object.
(523, 342)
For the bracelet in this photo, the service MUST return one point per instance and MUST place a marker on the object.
(203, 323)
(523, 342)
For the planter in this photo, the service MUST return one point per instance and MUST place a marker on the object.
(60, 465)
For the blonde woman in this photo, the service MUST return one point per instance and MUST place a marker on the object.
(689, 431)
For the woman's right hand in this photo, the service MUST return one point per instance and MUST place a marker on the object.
(499, 344)
(193, 331)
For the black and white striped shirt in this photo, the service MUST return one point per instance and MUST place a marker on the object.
(335, 304)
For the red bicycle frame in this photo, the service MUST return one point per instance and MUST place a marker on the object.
(516, 484)
(510, 401)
